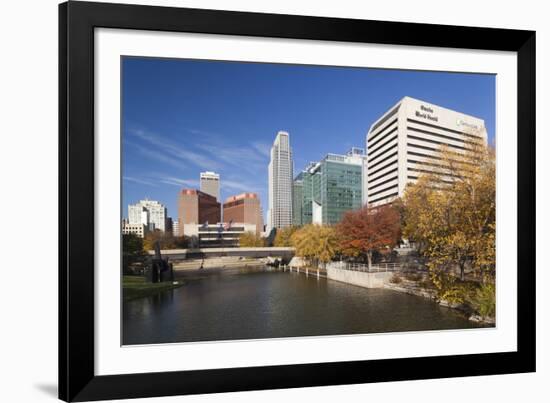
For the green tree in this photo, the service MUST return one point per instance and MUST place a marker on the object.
(250, 239)
(283, 237)
(166, 239)
(132, 251)
(315, 243)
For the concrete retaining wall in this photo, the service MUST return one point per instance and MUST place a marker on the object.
(362, 279)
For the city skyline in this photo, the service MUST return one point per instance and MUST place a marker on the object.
(182, 117)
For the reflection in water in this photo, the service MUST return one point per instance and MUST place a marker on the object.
(276, 304)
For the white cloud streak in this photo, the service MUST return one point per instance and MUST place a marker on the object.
(240, 186)
(157, 156)
(262, 148)
(169, 148)
(169, 180)
(139, 180)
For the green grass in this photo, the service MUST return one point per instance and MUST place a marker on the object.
(136, 287)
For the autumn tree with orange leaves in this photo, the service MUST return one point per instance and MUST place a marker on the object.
(362, 232)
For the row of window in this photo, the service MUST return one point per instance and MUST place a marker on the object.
(435, 157)
(373, 178)
(383, 197)
(372, 143)
(383, 167)
(438, 180)
(372, 135)
(382, 160)
(446, 129)
(439, 143)
(392, 138)
(383, 182)
(385, 118)
(414, 129)
(383, 190)
(433, 172)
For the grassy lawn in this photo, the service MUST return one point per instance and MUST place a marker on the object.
(136, 287)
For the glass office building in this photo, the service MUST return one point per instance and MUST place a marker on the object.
(297, 194)
(332, 186)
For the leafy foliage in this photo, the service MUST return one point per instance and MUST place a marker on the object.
(167, 241)
(283, 236)
(250, 239)
(364, 231)
(451, 213)
(395, 279)
(316, 243)
(132, 252)
(484, 300)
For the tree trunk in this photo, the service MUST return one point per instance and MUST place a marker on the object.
(369, 259)
(461, 271)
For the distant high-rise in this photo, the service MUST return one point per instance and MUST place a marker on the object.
(169, 225)
(150, 213)
(197, 207)
(297, 195)
(176, 228)
(280, 183)
(210, 184)
(244, 208)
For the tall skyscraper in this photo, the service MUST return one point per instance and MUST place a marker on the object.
(405, 142)
(150, 213)
(210, 184)
(280, 183)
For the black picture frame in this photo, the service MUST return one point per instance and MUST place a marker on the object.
(77, 21)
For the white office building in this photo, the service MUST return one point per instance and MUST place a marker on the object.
(405, 142)
(210, 184)
(136, 229)
(150, 213)
(280, 183)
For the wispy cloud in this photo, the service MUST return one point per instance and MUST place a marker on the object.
(210, 151)
(156, 155)
(241, 157)
(171, 149)
(217, 145)
(262, 148)
(139, 180)
(169, 180)
(239, 186)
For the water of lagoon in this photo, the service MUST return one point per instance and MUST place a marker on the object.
(273, 304)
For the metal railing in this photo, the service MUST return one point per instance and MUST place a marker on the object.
(375, 268)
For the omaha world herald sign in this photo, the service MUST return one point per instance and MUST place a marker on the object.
(426, 112)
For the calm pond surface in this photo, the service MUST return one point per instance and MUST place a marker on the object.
(277, 304)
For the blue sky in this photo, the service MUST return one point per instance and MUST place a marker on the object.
(182, 117)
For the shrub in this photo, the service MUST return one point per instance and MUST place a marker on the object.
(250, 239)
(413, 276)
(451, 289)
(133, 255)
(395, 279)
(484, 300)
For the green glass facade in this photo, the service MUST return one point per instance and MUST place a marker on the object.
(334, 185)
(297, 195)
